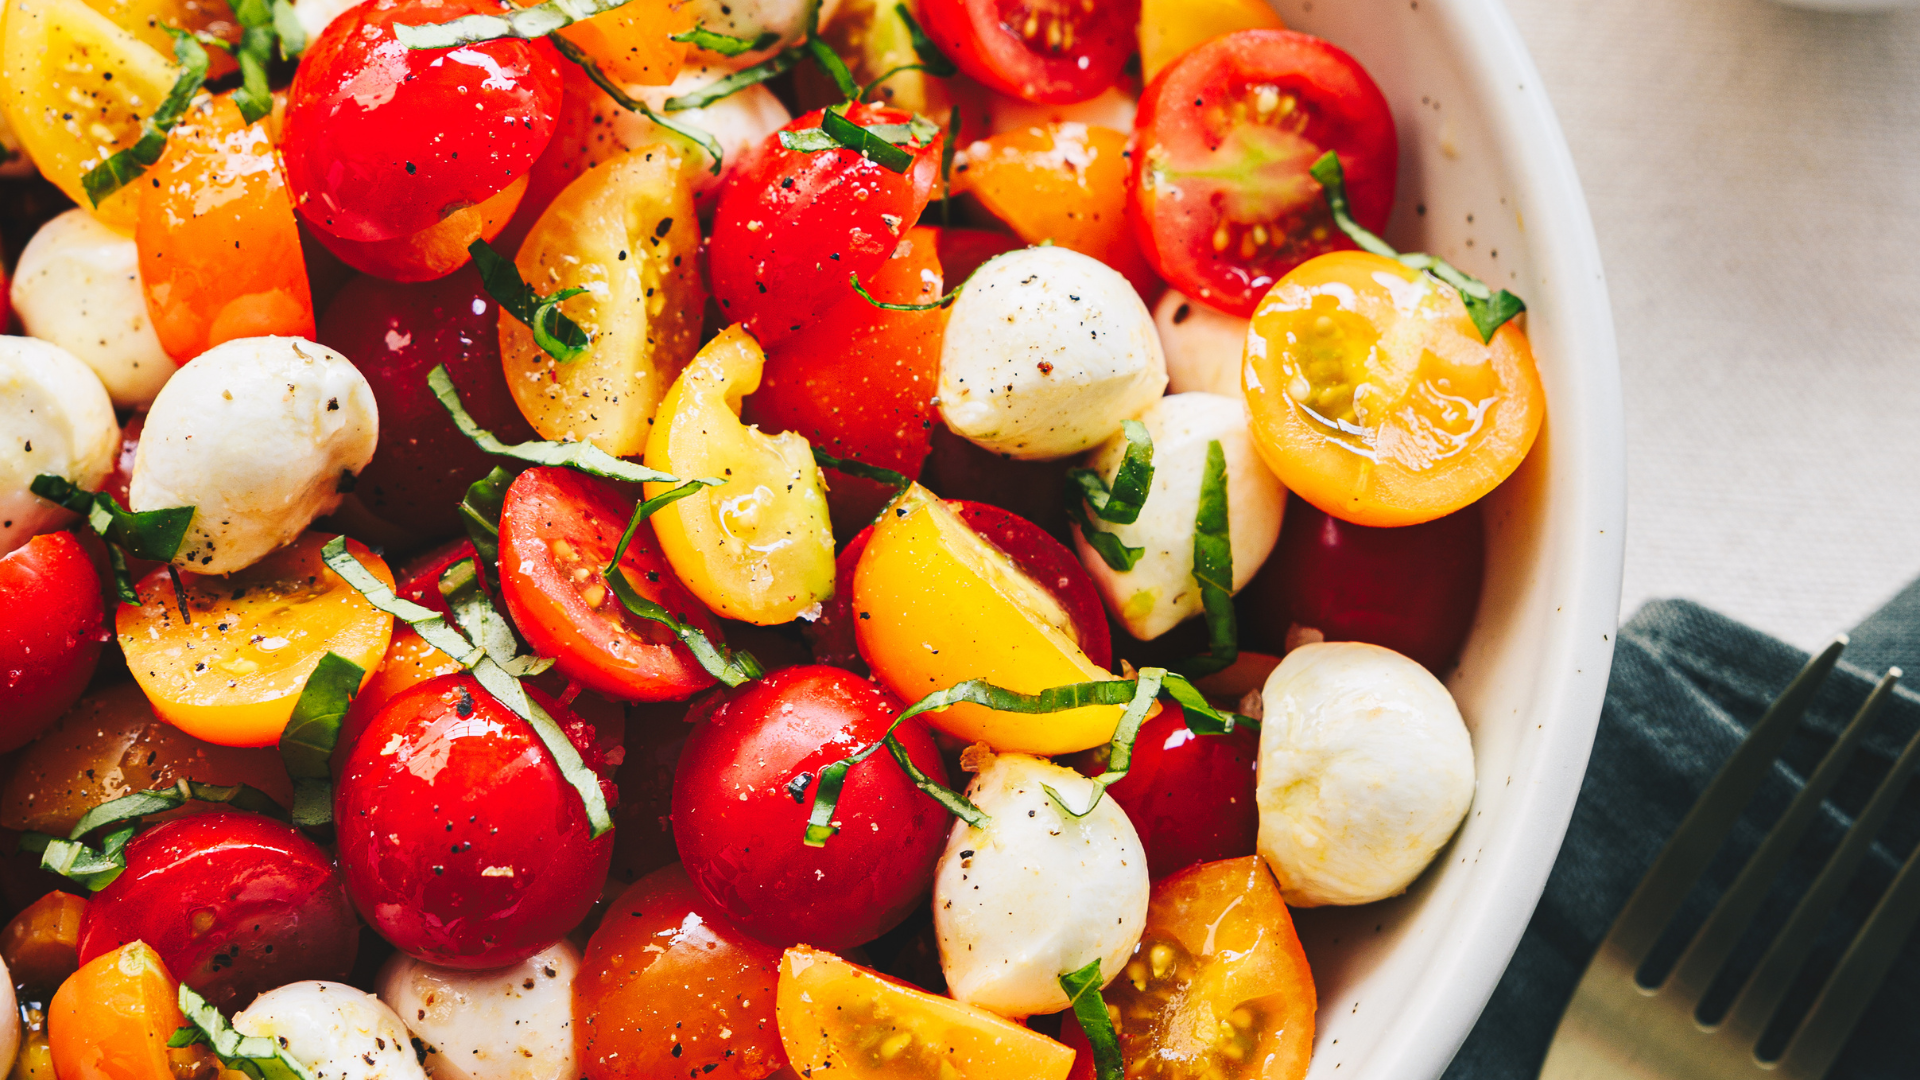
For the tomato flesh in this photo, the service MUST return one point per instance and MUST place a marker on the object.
(111, 1020)
(1051, 51)
(52, 635)
(235, 903)
(1221, 199)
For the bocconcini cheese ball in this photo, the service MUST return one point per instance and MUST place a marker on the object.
(337, 1032)
(78, 286)
(1160, 591)
(511, 1023)
(260, 435)
(1046, 351)
(55, 418)
(1365, 772)
(1038, 892)
(751, 18)
(1204, 346)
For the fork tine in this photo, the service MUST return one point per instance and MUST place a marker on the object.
(1851, 987)
(1706, 826)
(1770, 981)
(1710, 947)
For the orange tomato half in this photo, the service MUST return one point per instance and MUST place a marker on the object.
(219, 247)
(632, 43)
(1373, 397)
(111, 1019)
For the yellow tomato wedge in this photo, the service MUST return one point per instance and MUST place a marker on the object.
(1171, 27)
(1373, 397)
(625, 231)
(111, 1020)
(935, 605)
(41, 946)
(841, 1020)
(75, 88)
(758, 548)
(233, 674)
(148, 20)
(632, 42)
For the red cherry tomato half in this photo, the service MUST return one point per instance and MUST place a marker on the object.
(419, 579)
(395, 334)
(461, 842)
(791, 226)
(1189, 796)
(382, 141)
(1412, 589)
(745, 786)
(1031, 548)
(236, 904)
(50, 639)
(1039, 50)
(558, 530)
(1221, 199)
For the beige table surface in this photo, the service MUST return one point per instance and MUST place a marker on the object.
(1754, 175)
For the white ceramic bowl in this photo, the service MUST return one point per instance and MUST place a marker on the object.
(1486, 181)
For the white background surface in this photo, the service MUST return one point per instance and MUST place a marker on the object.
(1754, 175)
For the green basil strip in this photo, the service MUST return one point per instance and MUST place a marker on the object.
(75, 861)
(583, 456)
(1213, 568)
(1083, 994)
(698, 136)
(731, 666)
(853, 277)
(852, 467)
(483, 624)
(256, 1055)
(480, 512)
(134, 806)
(557, 335)
(426, 622)
(1488, 309)
(1120, 503)
(312, 732)
(123, 167)
(954, 802)
(257, 38)
(725, 44)
(287, 28)
(525, 23)
(1120, 750)
(778, 64)
(1202, 717)
(871, 144)
(830, 62)
(1115, 554)
(154, 535)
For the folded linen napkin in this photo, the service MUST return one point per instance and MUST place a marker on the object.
(1686, 685)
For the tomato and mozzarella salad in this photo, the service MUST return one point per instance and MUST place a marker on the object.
(627, 539)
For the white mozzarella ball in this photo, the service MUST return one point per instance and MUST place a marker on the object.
(1037, 893)
(1365, 771)
(255, 433)
(1046, 351)
(78, 286)
(738, 121)
(1204, 346)
(511, 1023)
(316, 15)
(337, 1032)
(54, 418)
(9, 1016)
(1159, 592)
(751, 18)
(1113, 108)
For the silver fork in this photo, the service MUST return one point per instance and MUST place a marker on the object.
(1616, 1029)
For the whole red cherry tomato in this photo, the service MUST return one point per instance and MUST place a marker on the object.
(50, 639)
(792, 225)
(461, 842)
(1412, 589)
(745, 787)
(1221, 199)
(1189, 796)
(858, 382)
(395, 334)
(382, 141)
(558, 530)
(1035, 49)
(236, 904)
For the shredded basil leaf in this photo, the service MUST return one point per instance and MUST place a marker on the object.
(880, 143)
(256, 1055)
(483, 624)
(853, 277)
(154, 535)
(78, 863)
(1115, 554)
(1489, 310)
(830, 62)
(583, 456)
(1119, 503)
(725, 44)
(1213, 568)
(287, 28)
(312, 732)
(731, 666)
(557, 335)
(777, 64)
(1202, 717)
(1120, 750)
(1083, 994)
(123, 167)
(932, 60)
(95, 869)
(426, 622)
(526, 23)
(698, 136)
(851, 467)
(480, 512)
(258, 36)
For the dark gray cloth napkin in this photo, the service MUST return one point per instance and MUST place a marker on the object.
(1685, 686)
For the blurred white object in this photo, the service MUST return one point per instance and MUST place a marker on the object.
(511, 1023)
(54, 418)
(78, 286)
(316, 15)
(1204, 346)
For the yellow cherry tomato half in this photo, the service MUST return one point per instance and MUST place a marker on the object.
(75, 88)
(232, 675)
(1169, 28)
(758, 548)
(41, 946)
(842, 1020)
(633, 42)
(625, 231)
(1374, 398)
(148, 20)
(111, 1019)
(936, 604)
